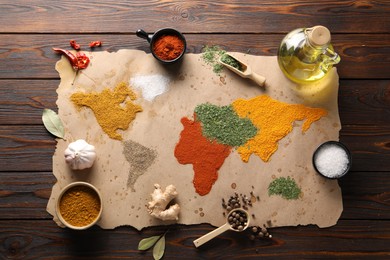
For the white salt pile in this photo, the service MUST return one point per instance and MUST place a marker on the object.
(150, 85)
(331, 160)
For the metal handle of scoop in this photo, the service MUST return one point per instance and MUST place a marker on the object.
(216, 232)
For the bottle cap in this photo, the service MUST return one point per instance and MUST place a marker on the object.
(319, 35)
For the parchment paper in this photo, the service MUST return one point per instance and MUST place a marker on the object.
(158, 127)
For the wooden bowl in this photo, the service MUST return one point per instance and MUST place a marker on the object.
(77, 211)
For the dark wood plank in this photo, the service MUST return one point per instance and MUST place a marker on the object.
(361, 102)
(360, 239)
(24, 195)
(23, 101)
(26, 147)
(341, 16)
(369, 145)
(364, 102)
(31, 56)
(366, 195)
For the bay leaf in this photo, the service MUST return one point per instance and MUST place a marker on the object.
(147, 243)
(52, 123)
(159, 249)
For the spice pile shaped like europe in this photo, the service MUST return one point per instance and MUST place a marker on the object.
(253, 126)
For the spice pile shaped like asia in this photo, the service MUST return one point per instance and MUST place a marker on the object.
(253, 126)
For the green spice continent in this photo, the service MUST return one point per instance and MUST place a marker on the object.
(221, 123)
(285, 187)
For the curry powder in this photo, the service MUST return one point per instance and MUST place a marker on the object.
(113, 109)
(80, 206)
(275, 120)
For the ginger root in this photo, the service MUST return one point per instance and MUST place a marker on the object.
(160, 200)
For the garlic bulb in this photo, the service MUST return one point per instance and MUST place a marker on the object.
(80, 155)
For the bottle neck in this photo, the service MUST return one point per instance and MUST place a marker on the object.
(311, 53)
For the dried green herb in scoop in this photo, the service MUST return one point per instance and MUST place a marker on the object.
(229, 60)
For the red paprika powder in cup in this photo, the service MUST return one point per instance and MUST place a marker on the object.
(168, 47)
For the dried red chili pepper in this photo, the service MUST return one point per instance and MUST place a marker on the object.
(82, 60)
(95, 44)
(74, 45)
(70, 56)
(78, 61)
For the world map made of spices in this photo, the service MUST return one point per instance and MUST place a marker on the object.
(253, 126)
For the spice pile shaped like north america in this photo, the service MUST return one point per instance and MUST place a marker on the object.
(253, 126)
(113, 109)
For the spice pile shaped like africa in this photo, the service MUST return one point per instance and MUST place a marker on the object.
(111, 108)
(253, 126)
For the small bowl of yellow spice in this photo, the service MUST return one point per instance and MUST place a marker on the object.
(79, 205)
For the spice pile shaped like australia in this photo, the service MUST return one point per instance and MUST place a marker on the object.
(253, 126)
(113, 109)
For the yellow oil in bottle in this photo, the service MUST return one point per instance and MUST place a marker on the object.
(304, 60)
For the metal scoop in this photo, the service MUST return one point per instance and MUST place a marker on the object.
(228, 225)
(245, 71)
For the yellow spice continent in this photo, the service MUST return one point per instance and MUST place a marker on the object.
(275, 120)
(111, 108)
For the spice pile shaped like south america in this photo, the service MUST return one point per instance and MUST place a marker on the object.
(253, 126)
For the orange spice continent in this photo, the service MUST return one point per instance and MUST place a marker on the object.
(275, 120)
(206, 156)
(111, 108)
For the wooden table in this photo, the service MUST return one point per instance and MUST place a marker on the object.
(28, 82)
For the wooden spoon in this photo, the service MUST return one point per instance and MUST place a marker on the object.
(245, 72)
(200, 241)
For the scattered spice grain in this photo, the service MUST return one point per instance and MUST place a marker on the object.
(259, 232)
(244, 201)
(210, 56)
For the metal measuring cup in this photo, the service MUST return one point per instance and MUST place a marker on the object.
(228, 225)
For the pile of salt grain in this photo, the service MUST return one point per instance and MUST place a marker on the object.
(150, 85)
(331, 161)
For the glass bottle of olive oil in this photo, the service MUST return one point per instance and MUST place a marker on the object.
(306, 55)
